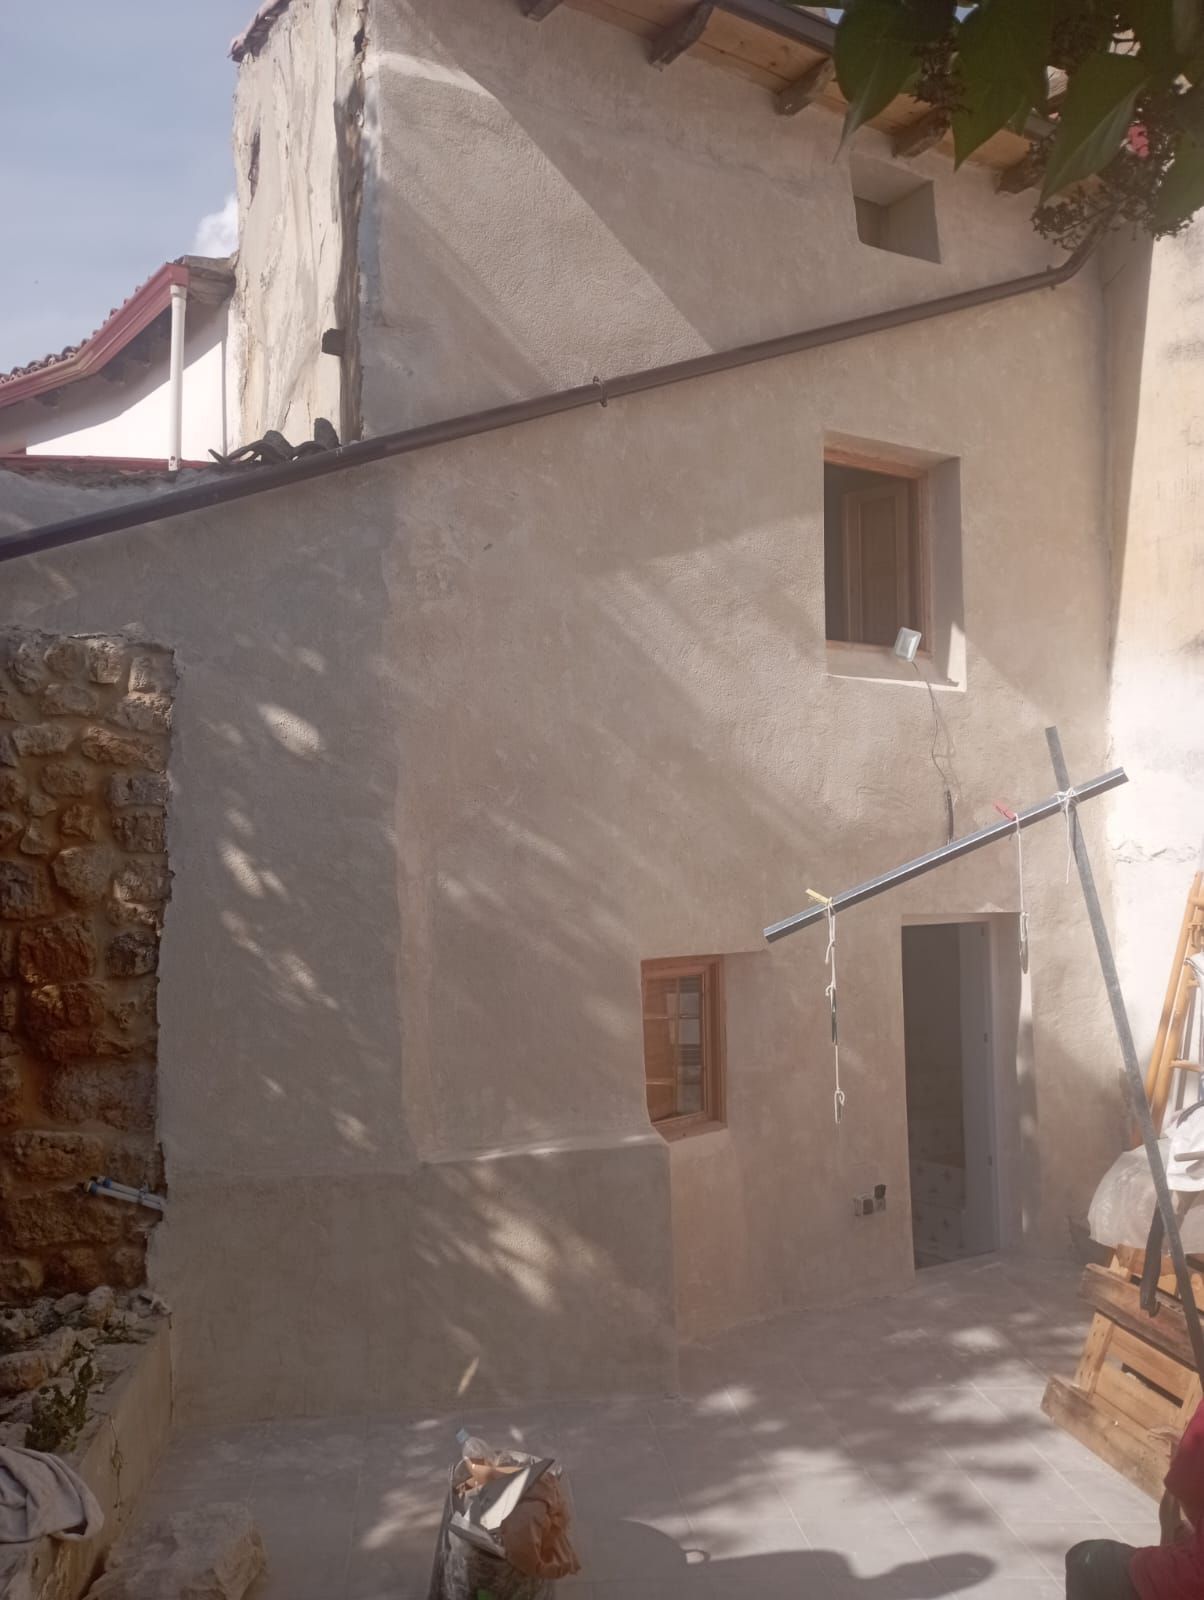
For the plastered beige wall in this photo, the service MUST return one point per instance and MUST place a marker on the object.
(622, 617)
(461, 739)
(1157, 419)
(322, 1251)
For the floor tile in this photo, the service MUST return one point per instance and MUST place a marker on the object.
(894, 1452)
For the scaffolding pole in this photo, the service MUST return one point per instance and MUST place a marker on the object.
(1055, 806)
(1132, 1071)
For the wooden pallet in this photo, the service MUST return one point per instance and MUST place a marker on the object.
(1136, 1373)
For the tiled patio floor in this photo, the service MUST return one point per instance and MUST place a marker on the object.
(891, 1451)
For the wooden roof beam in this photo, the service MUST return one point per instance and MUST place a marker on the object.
(920, 136)
(797, 96)
(1018, 177)
(675, 41)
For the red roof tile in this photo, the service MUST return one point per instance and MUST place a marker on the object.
(148, 301)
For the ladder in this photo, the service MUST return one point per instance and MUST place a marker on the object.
(1136, 1372)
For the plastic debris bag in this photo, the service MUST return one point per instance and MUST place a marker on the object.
(1123, 1205)
(505, 1527)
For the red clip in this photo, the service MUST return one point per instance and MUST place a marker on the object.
(1004, 812)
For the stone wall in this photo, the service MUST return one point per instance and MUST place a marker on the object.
(84, 728)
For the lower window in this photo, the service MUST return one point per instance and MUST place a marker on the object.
(683, 1041)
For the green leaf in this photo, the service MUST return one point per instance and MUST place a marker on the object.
(875, 57)
(1003, 47)
(1095, 118)
(1181, 193)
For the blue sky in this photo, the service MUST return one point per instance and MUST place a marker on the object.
(114, 143)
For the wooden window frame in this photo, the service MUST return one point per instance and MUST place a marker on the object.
(919, 574)
(714, 1041)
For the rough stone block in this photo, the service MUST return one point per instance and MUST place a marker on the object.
(208, 1552)
(62, 1217)
(143, 880)
(55, 951)
(20, 1279)
(8, 952)
(83, 871)
(104, 661)
(12, 1093)
(41, 738)
(122, 1095)
(81, 1268)
(152, 674)
(143, 713)
(37, 840)
(141, 830)
(12, 706)
(126, 1266)
(64, 1005)
(138, 1164)
(30, 1368)
(66, 779)
(12, 788)
(136, 789)
(54, 1157)
(23, 664)
(10, 827)
(24, 892)
(40, 805)
(23, 1370)
(98, 1307)
(80, 822)
(66, 658)
(132, 955)
(68, 700)
(121, 749)
(8, 1006)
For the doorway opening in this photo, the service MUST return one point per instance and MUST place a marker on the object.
(951, 1122)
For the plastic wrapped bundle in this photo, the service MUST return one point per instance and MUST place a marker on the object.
(505, 1526)
(1123, 1205)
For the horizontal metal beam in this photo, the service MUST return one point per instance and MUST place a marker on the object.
(804, 27)
(953, 851)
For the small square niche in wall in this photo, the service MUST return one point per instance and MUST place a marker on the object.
(895, 210)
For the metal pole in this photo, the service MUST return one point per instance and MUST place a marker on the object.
(947, 852)
(1133, 1078)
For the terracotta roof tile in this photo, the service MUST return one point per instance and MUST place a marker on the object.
(65, 354)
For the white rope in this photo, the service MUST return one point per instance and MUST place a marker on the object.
(1067, 799)
(830, 991)
(1023, 906)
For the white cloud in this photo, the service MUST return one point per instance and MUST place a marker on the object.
(217, 233)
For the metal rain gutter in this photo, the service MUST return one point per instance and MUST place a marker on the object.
(243, 483)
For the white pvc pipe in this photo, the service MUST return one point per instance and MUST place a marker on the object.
(179, 300)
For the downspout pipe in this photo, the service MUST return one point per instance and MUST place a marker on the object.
(175, 382)
(242, 483)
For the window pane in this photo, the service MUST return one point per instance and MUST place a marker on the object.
(676, 1044)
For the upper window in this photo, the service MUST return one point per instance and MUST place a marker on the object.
(683, 1042)
(874, 554)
